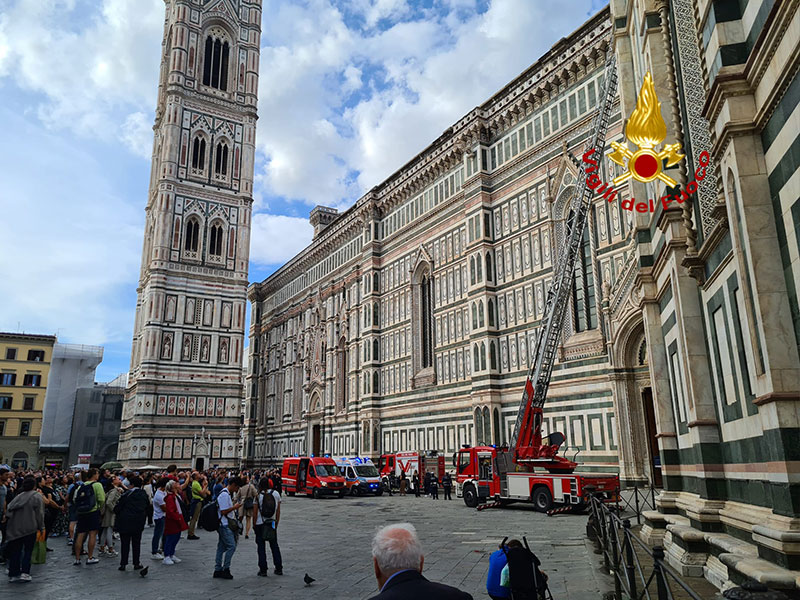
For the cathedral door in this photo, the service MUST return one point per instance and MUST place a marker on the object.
(652, 441)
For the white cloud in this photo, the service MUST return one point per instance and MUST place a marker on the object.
(69, 245)
(137, 134)
(274, 239)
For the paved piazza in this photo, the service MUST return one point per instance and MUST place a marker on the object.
(330, 539)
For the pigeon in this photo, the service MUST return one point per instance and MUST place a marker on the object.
(308, 580)
(143, 572)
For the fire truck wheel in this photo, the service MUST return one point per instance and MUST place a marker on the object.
(354, 490)
(315, 493)
(542, 499)
(470, 496)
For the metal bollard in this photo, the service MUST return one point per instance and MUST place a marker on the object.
(661, 581)
(615, 563)
(630, 568)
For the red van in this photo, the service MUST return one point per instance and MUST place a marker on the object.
(312, 475)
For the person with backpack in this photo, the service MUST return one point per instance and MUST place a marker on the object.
(159, 517)
(24, 517)
(247, 497)
(71, 510)
(131, 513)
(267, 514)
(228, 529)
(89, 500)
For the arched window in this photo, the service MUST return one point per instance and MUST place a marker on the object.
(481, 322)
(475, 359)
(497, 439)
(422, 325)
(474, 316)
(375, 382)
(492, 355)
(472, 270)
(215, 66)
(479, 269)
(426, 320)
(483, 356)
(375, 350)
(489, 269)
(215, 240)
(341, 375)
(490, 306)
(198, 154)
(478, 427)
(583, 297)
(487, 426)
(376, 314)
(191, 236)
(221, 161)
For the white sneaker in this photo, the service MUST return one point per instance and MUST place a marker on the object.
(112, 552)
(168, 561)
(25, 577)
(175, 559)
(158, 556)
(92, 561)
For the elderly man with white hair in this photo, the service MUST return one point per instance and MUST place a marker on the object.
(397, 558)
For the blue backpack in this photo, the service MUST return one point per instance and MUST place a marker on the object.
(85, 499)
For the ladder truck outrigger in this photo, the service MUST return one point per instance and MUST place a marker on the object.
(530, 468)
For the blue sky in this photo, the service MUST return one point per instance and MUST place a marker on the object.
(349, 91)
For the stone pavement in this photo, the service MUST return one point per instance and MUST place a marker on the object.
(330, 540)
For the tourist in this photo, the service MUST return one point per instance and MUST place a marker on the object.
(158, 518)
(89, 501)
(267, 515)
(434, 486)
(24, 516)
(427, 483)
(397, 560)
(228, 530)
(149, 489)
(51, 507)
(447, 484)
(131, 512)
(60, 486)
(72, 513)
(497, 562)
(5, 476)
(403, 483)
(415, 481)
(174, 523)
(247, 498)
(198, 492)
(107, 533)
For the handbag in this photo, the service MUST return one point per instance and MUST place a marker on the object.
(234, 525)
(39, 549)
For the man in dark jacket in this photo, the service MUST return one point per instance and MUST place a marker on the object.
(397, 559)
(131, 511)
(447, 484)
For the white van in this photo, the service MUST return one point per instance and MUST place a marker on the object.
(361, 475)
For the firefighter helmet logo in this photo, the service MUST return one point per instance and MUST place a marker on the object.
(646, 129)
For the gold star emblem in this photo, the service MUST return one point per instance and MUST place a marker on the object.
(646, 129)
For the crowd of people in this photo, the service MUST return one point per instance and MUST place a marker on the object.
(95, 509)
(427, 485)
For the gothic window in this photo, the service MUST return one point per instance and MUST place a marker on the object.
(215, 241)
(422, 321)
(483, 356)
(475, 359)
(198, 155)
(583, 295)
(221, 161)
(481, 322)
(487, 426)
(479, 268)
(215, 66)
(375, 382)
(478, 427)
(496, 416)
(490, 306)
(472, 270)
(375, 350)
(341, 375)
(489, 276)
(191, 237)
(474, 316)
(492, 355)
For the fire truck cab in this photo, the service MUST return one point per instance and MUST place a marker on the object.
(314, 476)
(361, 476)
(484, 473)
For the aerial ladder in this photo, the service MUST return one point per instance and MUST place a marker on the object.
(510, 474)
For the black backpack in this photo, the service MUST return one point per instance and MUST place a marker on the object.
(209, 517)
(85, 499)
(268, 506)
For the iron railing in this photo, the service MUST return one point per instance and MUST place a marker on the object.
(621, 550)
(632, 501)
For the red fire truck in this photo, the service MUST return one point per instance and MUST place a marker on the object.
(409, 463)
(530, 468)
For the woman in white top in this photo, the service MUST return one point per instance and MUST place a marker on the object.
(267, 514)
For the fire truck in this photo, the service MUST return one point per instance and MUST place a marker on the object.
(409, 463)
(530, 468)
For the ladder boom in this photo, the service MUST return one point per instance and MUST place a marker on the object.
(526, 440)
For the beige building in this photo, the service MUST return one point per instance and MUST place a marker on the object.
(24, 369)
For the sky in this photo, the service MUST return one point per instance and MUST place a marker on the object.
(349, 91)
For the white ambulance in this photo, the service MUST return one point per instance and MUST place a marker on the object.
(360, 475)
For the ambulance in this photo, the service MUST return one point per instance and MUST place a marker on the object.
(314, 476)
(361, 476)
